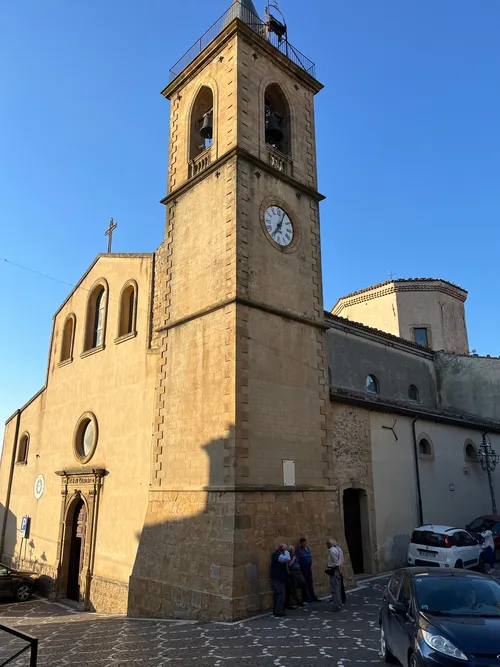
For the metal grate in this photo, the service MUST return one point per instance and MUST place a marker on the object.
(237, 10)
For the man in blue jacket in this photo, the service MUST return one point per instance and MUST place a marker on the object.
(279, 576)
(305, 562)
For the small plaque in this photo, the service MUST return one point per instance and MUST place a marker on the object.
(289, 473)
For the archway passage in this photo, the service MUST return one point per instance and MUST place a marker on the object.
(77, 550)
(353, 528)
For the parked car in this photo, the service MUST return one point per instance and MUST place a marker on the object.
(492, 521)
(444, 546)
(16, 584)
(431, 617)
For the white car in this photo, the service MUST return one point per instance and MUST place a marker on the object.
(443, 546)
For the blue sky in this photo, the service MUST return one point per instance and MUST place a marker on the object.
(407, 131)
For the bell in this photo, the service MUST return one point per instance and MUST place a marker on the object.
(277, 27)
(208, 126)
(274, 133)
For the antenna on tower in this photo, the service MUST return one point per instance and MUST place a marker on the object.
(274, 25)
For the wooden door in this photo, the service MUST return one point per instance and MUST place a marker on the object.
(77, 550)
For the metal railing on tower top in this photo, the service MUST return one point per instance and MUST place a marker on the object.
(237, 10)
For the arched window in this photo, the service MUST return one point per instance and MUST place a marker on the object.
(371, 384)
(128, 309)
(277, 119)
(67, 338)
(202, 123)
(470, 452)
(424, 448)
(413, 394)
(96, 318)
(22, 449)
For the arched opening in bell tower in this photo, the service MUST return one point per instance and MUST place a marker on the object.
(277, 119)
(202, 123)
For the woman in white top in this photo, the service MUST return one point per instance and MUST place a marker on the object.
(488, 545)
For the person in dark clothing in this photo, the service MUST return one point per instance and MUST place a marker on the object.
(305, 562)
(279, 576)
(297, 581)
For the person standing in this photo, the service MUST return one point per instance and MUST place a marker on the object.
(488, 546)
(341, 570)
(279, 576)
(333, 572)
(305, 562)
(297, 581)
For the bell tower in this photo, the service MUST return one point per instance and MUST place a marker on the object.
(240, 454)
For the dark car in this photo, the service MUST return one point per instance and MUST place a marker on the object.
(431, 617)
(492, 522)
(16, 584)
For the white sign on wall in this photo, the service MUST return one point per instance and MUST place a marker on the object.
(39, 486)
(289, 473)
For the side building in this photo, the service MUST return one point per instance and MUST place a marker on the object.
(408, 421)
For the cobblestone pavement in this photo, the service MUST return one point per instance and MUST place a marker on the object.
(313, 635)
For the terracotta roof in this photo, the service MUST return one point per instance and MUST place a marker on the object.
(403, 280)
(377, 332)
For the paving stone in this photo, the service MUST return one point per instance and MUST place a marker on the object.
(311, 636)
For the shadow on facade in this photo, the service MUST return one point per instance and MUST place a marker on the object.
(24, 558)
(8, 530)
(204, 554)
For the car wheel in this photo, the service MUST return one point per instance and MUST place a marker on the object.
(384, 651)
(413, 662)
(23, 593)
(459, 565)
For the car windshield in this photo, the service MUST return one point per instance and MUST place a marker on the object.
(477, 524)
(457, 596)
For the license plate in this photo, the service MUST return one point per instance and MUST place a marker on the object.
(428, 554)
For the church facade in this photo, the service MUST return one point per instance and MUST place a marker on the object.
(200, 406)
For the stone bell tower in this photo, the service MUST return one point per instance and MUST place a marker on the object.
(240, 454)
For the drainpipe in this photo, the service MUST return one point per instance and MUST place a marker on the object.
(417, 475)
(9, 486)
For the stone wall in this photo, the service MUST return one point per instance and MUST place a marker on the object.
(352, 456)
(108, 596)
(469, 384)
(355, 354)
(210, 551)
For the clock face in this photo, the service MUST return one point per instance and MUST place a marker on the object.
(278, 225)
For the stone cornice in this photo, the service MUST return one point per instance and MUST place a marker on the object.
(216, 46)
(381, 404)
(242, 302)
(391, 287)
(82, 472)
(236, 151)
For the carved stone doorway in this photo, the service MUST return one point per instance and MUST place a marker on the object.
(80, 494)
(76, 550)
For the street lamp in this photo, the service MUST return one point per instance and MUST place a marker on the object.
(489, 460)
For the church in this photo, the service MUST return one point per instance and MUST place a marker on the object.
(200, 405)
